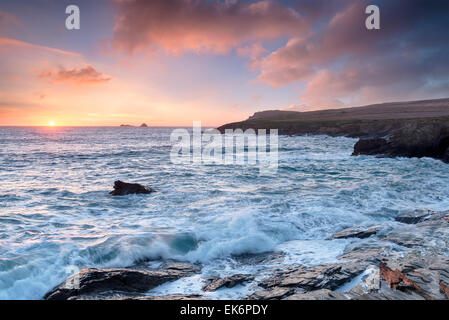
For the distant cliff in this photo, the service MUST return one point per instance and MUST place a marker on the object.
(408, 129)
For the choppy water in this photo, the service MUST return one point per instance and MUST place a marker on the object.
(55, 210)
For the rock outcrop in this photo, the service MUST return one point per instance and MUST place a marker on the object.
(228, 282)
(328, 276)
(426, 276)
(413, 138)
(123, 188)
(143, 125)
(109, 282)
(356, 232)
(418, 216)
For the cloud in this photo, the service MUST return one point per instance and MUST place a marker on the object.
(86, 75)
(7, 20)
(254, 52)
(344, 63)
(6, 43)
(201, 26)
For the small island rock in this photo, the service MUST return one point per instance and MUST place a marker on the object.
(122, 188)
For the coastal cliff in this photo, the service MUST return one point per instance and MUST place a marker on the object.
(406, 129)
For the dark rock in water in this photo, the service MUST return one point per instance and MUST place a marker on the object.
(414, 216)
(125, 125)
(356, 232)
(123, 188)
(418, 216)
(370, 146)
(414, 138)
(143, 125)
(227, 282)
(95, 282)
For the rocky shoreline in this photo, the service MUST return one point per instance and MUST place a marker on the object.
(405, 259)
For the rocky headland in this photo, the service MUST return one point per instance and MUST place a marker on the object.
(400, 129)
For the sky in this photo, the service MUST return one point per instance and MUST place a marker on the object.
(171, 62)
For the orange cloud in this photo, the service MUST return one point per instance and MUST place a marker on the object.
(200, 26)
(86, 75)
(13, 43)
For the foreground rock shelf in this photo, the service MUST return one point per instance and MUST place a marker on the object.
(107, 283)
(407, 259)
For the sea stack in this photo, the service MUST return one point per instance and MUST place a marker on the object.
(122, 189)
(144, 125)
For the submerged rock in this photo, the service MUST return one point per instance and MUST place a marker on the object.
(107, 282)
(356, 232)
(227, 282)
(122, 188)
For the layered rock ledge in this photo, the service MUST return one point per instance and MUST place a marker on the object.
(118, 283)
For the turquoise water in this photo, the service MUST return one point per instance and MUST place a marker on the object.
(56, 213)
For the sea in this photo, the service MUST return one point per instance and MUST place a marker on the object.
(57, 216)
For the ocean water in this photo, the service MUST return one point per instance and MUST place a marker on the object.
(56, 214)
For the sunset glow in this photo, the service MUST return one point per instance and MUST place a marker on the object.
(51, 123)
(214, 61)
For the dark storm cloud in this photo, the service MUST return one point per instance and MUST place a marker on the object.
(407, 58)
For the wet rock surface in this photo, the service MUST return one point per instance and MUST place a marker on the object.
(228, 282)
(329, 276)
(356, 232)
(275, 293)
(122, 189)
(418, 216)
(95, 282)
(423, 275)
(137, 297)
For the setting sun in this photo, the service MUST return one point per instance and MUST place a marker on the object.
(51, 123)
